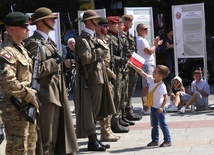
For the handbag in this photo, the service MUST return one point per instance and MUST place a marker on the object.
(150, 96)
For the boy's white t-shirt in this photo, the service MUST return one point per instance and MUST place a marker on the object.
(159, 92)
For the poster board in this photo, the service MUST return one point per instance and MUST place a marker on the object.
(189, 32)
(55, 35)
(81, 25)
(142, 15)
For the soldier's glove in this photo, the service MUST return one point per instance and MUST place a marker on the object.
(1, 133)
(57, 57)
(34, 102)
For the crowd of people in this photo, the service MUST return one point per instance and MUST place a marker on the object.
(35, 79)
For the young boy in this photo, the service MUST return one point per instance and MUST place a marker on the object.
(157, 110)
(200, 90)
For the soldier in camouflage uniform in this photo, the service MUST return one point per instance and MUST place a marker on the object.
(126, 53)
(119, 89)
(16, 68)
(133, 76)
(105, 124)
(1, 122)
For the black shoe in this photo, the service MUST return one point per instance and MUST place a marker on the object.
(95, 146)
(123, 123)
(127, 121)
(133, 117)
(107, 146)
(119, 129)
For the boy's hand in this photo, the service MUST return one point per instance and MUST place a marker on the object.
(130, 63)
(145, 107)
(160, 110)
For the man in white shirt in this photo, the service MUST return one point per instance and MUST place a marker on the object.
(146, 51)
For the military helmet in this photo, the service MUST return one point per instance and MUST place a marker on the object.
(42, 13)
(90, 14)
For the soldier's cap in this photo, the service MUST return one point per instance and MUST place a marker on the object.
(90, 14)
(127, 17)
(113, 19)
(42, 13)
(103, 21)
(16, 19)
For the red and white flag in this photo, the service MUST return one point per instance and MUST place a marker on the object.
(137, 60)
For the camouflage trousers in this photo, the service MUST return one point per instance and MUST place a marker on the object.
(120, 90)
(132, 82)
(21, 135)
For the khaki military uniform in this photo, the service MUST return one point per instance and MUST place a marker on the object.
(16, 68)
(121, 77)
(105, 124)
(93, 98)
(57, 135)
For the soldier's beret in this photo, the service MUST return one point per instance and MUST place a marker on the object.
(127, 17)
(103, 21)
(16, 19)
(113, 19)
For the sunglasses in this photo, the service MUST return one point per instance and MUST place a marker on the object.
(103, 25)
(144, 29)
(24, 26)
(176, 82)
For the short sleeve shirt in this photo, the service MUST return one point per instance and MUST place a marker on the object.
(202, 85)
(142, 43)
(159, 92)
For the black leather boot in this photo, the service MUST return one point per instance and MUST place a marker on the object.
(119, 129)
(123, 123)
(107, 146)
(93, 144)
(127, 121)
(133, 117)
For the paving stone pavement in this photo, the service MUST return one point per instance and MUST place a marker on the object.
(192, 134)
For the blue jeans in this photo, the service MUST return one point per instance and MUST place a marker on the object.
(159, 119)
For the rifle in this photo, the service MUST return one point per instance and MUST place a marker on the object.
(31, 110)
(112, 61)
(123, 56)
(34, 84)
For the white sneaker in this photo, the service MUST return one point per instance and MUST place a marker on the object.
(182, 110)
(172, 108)
(169, 105)
(192, 108)
(148, 112)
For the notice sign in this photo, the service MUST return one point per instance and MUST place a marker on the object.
(189, 30)
(142, 15)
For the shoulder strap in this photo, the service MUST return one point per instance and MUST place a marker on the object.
(153, 90)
